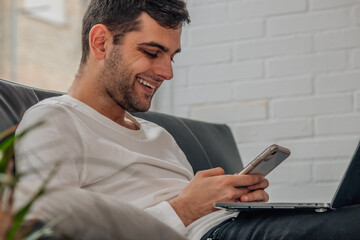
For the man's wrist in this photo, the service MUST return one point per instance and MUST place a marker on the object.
(179, 207)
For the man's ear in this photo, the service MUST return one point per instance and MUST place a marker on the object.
(99, 39)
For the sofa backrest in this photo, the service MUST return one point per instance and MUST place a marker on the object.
(206, 145)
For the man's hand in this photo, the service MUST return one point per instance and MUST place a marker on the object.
(210, 186)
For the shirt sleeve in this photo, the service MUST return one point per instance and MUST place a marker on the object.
(42, 153)
(165, 213)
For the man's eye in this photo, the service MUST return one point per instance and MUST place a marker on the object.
(151, 55)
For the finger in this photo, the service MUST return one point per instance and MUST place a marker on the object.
(264, 184)
(247, 180)
(241, 191)
(234, 194)
(210, 172)
(255, 196)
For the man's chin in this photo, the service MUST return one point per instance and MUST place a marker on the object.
(143, 108)
(138, 104)
(134, 110)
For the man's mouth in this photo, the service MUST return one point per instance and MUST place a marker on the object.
(143, 82)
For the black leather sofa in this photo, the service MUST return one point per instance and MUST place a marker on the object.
(206, 145)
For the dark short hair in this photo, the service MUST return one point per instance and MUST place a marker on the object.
(119, 16)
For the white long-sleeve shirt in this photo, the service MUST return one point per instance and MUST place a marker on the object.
(145, 167)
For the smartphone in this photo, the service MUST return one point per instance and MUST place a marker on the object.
(269, 159)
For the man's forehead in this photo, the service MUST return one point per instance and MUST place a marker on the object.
(151, 33)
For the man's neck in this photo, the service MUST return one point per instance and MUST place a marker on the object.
(85, 90)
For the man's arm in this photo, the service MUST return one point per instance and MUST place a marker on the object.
(166, 213)
(43, 149)
(210, 186)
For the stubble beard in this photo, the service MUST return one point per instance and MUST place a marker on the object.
(116, 81)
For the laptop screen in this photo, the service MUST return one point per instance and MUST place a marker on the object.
(348, 192)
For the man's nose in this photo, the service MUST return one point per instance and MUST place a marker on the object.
(164, 69)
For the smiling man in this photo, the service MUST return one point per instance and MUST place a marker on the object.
(120, 74)
(116, 78)
(108, 155)
(128, 49)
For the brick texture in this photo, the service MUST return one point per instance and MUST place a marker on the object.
(357, 100)
(291, 74)
(335, 124)
(230, 112)
(308, 22)
(312, 106)
(274, 47)
(261, 8)
(356, 14)
(226, 72)
(276, 71)
(273, 130)
(313, 63)
(356, 58)
(337, 39)
(330, 83)
(323, 4)
(273, 88)
(227, 33)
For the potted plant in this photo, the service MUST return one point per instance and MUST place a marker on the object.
(12, 223)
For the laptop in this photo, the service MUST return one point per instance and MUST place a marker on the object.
(348, 193)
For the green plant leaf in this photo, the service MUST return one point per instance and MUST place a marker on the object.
(9, 179)
(47, 229)
(7, 152)
(7, 140)
(21, 213)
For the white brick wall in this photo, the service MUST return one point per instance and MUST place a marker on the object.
(203, 55)
(312, 106)
(295, 173)
(356, 13)
(208, 14)
(331, 83)
(276, 71)
(273, 47)
(309, 22)
(209, 94)
(226, 72)
(304, 64)
(261, 8)
(230, 112)
(337, 39)
(226, 32)
(322, 4)
(357, 100)
(338, 124)
(261, 131)
(273, 88)
(356, 58)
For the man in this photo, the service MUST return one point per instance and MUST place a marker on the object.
(128, 49)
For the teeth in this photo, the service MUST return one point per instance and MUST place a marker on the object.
(145, 83)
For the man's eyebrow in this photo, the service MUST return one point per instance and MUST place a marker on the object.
(158, 45)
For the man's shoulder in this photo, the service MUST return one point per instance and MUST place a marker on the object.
(47, 103)
(50, 105)
(45, 110)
